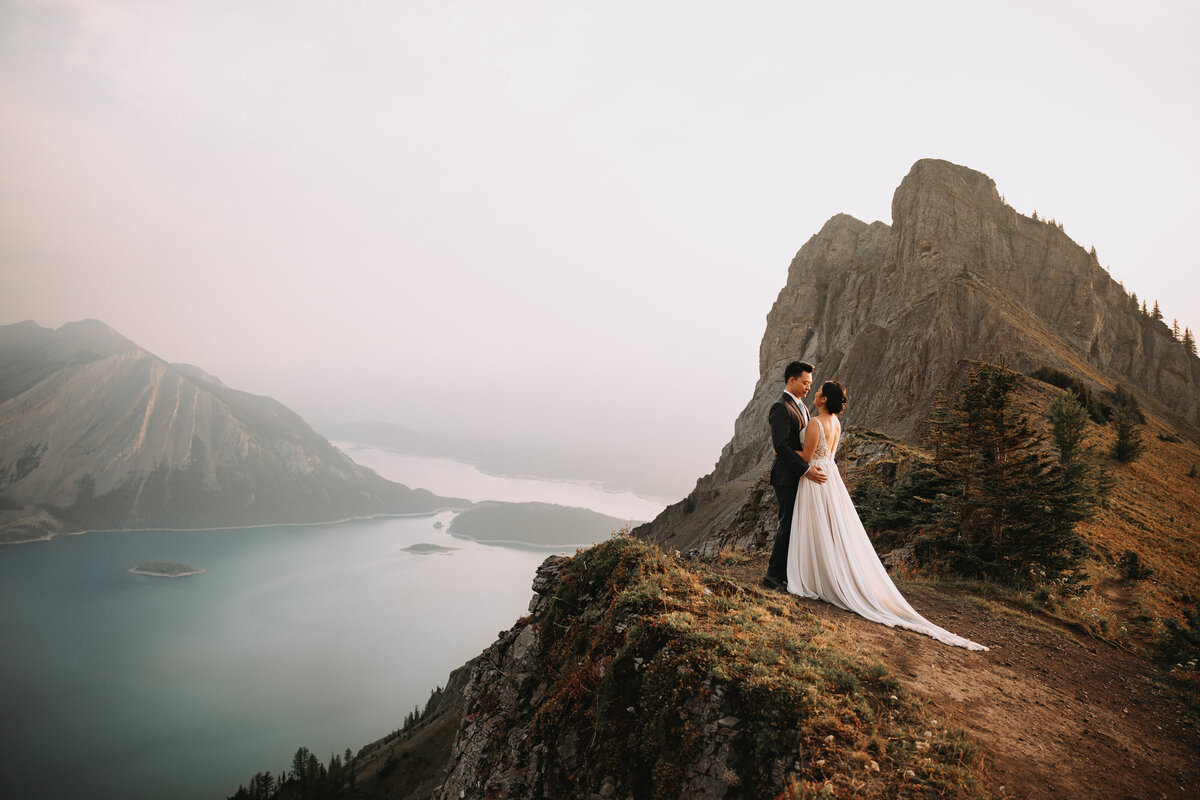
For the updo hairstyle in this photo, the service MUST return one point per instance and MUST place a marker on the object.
(835, 396)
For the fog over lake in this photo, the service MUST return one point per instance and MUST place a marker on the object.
(117, 685)
(451, 478)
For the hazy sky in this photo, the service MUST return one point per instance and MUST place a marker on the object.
(562, 221)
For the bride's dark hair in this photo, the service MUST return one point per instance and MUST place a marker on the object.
(835, 396)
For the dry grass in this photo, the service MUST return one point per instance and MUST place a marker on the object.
(649, 652)
(1154, 510)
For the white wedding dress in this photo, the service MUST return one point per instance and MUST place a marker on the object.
(831, 558)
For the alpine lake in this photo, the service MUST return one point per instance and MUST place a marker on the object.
(119, 684)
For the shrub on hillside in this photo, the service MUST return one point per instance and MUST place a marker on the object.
(1131, 568)
(1179, 649)
(1128, 445)
(1123, 398)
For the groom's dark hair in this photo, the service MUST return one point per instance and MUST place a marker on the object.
(795, 369)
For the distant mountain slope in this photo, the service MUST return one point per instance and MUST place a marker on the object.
(96, 432)
(895, 312)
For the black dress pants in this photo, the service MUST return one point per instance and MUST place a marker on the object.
(785, 496)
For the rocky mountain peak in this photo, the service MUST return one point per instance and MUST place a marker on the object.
(932, 181)
(95, 336)
(896, 312)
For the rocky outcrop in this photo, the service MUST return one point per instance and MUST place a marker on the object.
(895, 312)
(635, 677)
(96, 432)
(504, 748)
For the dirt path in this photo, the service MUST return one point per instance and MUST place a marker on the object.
(1058, 714)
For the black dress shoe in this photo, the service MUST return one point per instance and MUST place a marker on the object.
(771, 582)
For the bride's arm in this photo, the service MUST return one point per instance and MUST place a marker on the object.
(810, 441)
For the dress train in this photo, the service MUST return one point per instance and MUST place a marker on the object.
(831, 558)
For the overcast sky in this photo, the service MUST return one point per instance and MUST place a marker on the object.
(560, 221)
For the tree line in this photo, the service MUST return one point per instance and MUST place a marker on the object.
(308, 779)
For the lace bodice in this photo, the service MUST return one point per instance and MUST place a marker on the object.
(822, 450)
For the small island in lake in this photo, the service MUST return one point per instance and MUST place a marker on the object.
(165, 569)
(425, 547)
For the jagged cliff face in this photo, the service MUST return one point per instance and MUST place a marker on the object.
(97, 432)
(894, 312)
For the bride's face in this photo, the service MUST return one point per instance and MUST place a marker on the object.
(819, 400)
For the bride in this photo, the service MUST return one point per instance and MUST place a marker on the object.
(829, 555)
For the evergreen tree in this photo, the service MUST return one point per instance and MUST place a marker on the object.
(299, 770)
(1095, 257)
(348, 759)
(1129, 444)
(1123, 397)
(1035, 216)
(262, 786)
(1145, 313)
(1085, 480)
(411, 718)
(1007, 510)
(1175, 328)
(1068, 425)
(1189, 341)
(308, 775)
(1157, 312)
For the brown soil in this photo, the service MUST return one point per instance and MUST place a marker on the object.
(1056, 712)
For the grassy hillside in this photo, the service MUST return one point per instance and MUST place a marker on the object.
(1153, 511)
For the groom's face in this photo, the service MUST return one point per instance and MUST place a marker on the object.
(800, 384)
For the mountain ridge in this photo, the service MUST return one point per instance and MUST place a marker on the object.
(96, 432)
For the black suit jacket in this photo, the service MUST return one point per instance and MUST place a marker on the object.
(787, 437)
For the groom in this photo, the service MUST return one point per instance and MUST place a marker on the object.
(787, 419)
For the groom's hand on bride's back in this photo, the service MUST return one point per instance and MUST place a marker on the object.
(816, 475)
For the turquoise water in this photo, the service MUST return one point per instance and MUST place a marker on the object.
(114, 685)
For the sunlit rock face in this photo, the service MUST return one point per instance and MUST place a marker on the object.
(96, 432)
(894, 312)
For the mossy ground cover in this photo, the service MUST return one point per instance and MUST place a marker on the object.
(650, 659)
